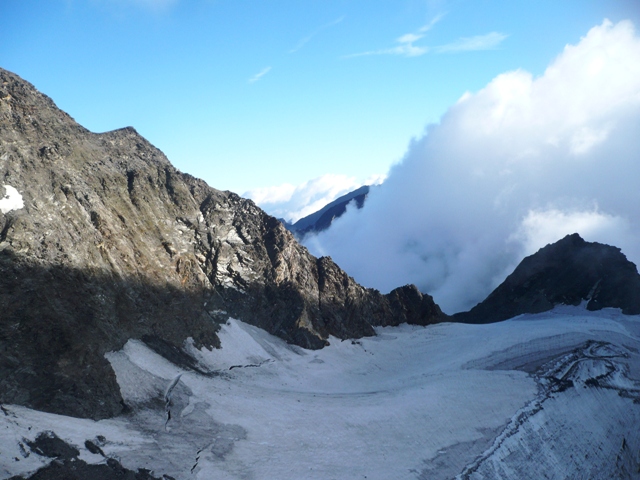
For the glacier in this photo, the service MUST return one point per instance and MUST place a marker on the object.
(551, 395)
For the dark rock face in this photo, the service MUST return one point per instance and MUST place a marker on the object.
(77, 469)
(566, 272)
(69, 467)
(409, 303)
(48, 444)
(113, 243)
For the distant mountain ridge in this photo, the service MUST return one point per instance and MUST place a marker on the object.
(323, 218)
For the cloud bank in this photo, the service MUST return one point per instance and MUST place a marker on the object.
(508, 169)
(293, 202)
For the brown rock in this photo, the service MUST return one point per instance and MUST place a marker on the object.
(114, 243)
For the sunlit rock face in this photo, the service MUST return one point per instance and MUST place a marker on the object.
(569, 272)
(102, 240)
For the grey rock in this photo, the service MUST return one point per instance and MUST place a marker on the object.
(114, 243)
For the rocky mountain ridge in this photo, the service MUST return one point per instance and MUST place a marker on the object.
(567, 272)
(112, 243)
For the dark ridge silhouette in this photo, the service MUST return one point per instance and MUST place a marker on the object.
(568, 272)
(323, 218)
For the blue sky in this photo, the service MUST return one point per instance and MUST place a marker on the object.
(250, 94)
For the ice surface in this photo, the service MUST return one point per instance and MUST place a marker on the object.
(549, 394)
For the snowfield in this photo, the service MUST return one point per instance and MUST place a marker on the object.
(553, 395)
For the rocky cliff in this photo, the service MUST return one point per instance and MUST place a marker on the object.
(568, 272)
(103, 240)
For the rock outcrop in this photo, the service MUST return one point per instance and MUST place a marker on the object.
(103, 240)
(568, 272)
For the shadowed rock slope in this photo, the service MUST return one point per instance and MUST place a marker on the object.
(110, 242)
(568, 272)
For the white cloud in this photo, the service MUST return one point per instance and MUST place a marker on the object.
(259, 75)
(508, 169)
(430, 25)
(542, 227)
(586, 138)
(467, 44)
(406, 41)
(306, 39)
(271, 195)
(407, 48)
(409, 38)
(293, 202)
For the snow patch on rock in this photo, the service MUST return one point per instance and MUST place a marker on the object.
(12, 200)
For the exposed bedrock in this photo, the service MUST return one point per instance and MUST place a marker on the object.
(102, 240)
(567, 272)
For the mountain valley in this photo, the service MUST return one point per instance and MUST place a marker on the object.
(153, 327)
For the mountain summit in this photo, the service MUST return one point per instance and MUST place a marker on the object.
(569, 272)
(102, 240)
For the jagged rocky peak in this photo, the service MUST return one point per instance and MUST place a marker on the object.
(570, 271)
(103, 240)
